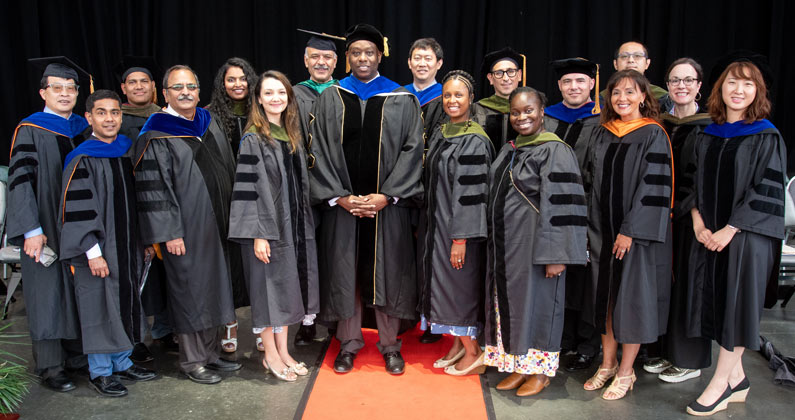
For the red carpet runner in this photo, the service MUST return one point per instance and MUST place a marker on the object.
(369, 392)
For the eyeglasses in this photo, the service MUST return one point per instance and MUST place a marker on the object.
(635, 56)
(178, 87)
(674, 81)
(59, 87)
(501, 73)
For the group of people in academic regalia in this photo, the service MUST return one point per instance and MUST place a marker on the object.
(527, 231)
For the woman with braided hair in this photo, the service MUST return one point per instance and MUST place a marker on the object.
(452, 230)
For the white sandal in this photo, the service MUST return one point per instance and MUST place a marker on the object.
(229, 344)
(260, 345)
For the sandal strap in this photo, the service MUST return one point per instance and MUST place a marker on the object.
(620, 388)
(598, 380)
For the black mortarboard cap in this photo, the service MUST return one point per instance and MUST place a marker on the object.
(131, 64)
(367, 32)
(506, 53)
(60, 66)
(574, 65)
(322, 40)
(759, 60)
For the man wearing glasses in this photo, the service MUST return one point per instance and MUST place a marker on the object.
(503, 69)
(184, 173)
(39, 146)
(635, 56)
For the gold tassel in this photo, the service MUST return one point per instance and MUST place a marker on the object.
(347, 65)
(90, 84)
(386, 47)
(524, 66)
(596, 108)
(154, 96)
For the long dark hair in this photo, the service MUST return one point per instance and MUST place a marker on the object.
(289, 117)
(650, 109)
(221, 104)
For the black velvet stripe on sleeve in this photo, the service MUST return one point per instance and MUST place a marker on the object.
(655, 201)
(565, 199)
(473, 179)
(765, 207)
(472, 159)
(77, 195)
(21, 180)
(244, 196)
(148, 165)
(568, 220)
(248, 160)
(773, 175)
(652, 179)
(770, 191)
(79, 216)
(246, 177)
(565, 177)
(660, 158)
(154, 185)
(23, 148)
(22, 163)
(471, 200)
(80, 173)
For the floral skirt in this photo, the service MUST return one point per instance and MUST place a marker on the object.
(531, 363)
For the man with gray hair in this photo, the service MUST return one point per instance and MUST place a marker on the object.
(184, 174)
(320, 59)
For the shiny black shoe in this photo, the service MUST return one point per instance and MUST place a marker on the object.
(305, 335)
(580, 362)
(428, 338)
(137, 374)
(344, 362)
(394, 363)
(200, 375)
(141, 354)
(224, 365)
(59, 382)
(696, 409)
(107, 386)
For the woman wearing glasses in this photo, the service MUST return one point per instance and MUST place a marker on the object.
(272, 220)
(684, 356)
(537, 217)
(738, 221)
(230, 106)
(628, 231)
(452, 229)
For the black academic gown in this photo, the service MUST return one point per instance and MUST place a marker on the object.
(271, 201)
(631, 178)
(184, 185)
(681, 350)
(536, 216)
(364, 147)
(456, 176)
(34, 190)
(496, 124)
(740, 182)
(98, 206)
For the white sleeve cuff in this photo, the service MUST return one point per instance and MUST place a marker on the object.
(94, 252)
(34, 232)
(333, 201)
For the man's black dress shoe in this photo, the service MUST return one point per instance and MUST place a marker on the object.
(137, 374)
(59, 382)
(344, 362)
(305, 335)
(141, 354)
(394, 362)
(200, 375)
(580, 362)
(224, 365)
(107, 386)
(428, 338)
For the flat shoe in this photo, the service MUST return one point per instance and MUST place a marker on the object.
(284, 375)
(300, 369)
(512, 381)
(443, 363)
(476, 368)
(533, 386)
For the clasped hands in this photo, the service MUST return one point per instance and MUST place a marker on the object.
(712, 241)
(363, 206)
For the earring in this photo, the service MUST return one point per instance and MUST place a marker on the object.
(698, 96)
(642, 105)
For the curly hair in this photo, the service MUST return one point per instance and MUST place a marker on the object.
(289, 118)
(221, 104)
(650, 108)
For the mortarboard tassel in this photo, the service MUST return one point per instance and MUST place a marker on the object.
(596, 108)
(524, 66)
(386, 47)
(90, 84)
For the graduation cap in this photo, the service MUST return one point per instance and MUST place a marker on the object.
(367, 32)
(60, 66)
(145, 64)
(759, 60)
(579, 65)
(322, 40)
(506, 53)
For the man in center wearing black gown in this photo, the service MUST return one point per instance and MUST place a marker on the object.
(367, 147)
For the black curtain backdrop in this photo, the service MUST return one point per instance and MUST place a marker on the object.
(96, 34)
